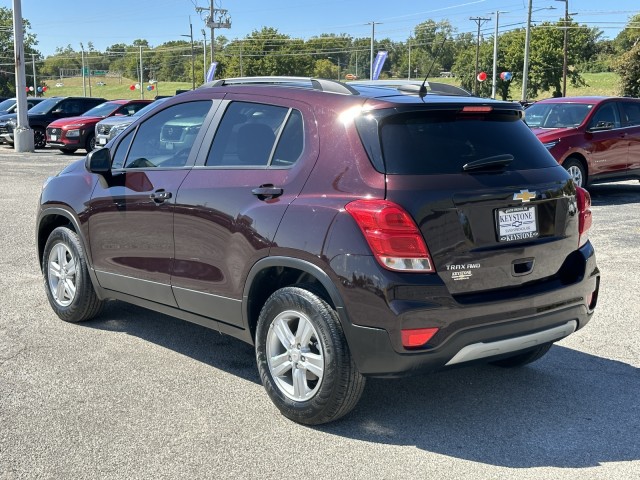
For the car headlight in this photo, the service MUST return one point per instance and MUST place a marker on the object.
(550, 145)
(73, 133)
(115, 130)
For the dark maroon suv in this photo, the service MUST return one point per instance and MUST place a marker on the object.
(346, 231)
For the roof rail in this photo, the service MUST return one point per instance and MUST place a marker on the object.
(413, 87)
(321, 84)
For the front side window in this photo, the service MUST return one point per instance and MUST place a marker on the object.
(605, 118)
(252, 134)
(165, 139)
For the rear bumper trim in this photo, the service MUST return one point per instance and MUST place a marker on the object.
(480, 350)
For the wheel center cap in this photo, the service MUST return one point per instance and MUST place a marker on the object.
(295, 355)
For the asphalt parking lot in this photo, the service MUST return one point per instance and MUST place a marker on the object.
(135, 394)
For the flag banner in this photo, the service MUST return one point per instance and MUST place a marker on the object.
(378, 63)
(212, 71)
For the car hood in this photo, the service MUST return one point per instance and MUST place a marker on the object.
(545, 133)
(74, 121)
(7, 117)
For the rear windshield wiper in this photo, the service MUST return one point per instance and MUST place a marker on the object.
(489, 162)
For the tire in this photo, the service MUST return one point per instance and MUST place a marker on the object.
(39, 138)
(525, 358)
(576, 170)
(66, 278)
(68, 151)
(303, 358)
(90, 143)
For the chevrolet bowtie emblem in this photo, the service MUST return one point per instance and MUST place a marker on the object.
(524, 195)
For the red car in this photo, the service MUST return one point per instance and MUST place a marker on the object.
(596, 139)
(71, 133)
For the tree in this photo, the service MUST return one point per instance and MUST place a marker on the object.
(7, 76)
(628, 67)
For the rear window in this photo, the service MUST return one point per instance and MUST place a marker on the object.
(442, 142)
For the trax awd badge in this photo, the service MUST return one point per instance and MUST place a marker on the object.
(524, 195)
(462, 271)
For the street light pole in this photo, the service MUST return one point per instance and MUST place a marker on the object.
(193, 66)
(495, 57)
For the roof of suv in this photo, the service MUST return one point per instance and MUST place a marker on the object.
(393, 91)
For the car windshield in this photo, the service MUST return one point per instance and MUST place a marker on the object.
(102, 110)
(556, 115)
(45, 106)
(7, 104)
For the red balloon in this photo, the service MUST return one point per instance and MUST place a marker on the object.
(153, 87)
(502, 75)
(44, 89)
(482, 76)
(132, 87)
(27, 88)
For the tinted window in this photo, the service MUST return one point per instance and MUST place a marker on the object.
(248, 132)
(423, 143)
(606, 117)
(9, 102)
(631, 113)
(45, 106)
(165, 139)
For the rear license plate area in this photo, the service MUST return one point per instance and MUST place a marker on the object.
(516, 223)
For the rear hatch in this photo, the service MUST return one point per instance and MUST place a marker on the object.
(495, 209)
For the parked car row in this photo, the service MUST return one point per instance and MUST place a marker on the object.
(345, 230)
(68, 123)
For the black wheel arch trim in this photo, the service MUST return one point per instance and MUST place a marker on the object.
(303, 265)
(62, 212)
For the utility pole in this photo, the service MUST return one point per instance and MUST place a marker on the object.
(23, 135)
(480, 21)
(140, 81)
(565, 47)
(204, 56)
(495, 57)
(84, 82)
(527, 42)
(373, 36)
(35, 82)
(218, 18)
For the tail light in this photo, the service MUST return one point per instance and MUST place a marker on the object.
(392, 235)
(584, 214)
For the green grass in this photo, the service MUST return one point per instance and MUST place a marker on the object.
(597, 84)
(606, 83)
(113, 89)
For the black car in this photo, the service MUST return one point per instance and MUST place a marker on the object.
(345, 230)
(46, 112)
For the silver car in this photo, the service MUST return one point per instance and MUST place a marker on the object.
(108, 128)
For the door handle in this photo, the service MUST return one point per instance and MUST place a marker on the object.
(159, 196)
(267, 192)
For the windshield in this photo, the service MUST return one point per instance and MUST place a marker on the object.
(7, 104)
(45, 106)
(102, 110)
(556, 115)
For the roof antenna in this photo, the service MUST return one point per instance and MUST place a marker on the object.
(423, 89)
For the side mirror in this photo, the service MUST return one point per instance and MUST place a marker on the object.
(99, 161)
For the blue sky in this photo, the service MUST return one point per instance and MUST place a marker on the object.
(62, 22)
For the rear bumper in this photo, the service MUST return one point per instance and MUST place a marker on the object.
(483, 328)
(375, 356)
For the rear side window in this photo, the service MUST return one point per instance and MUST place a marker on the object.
(631, 113)
(442, 142)
(258, 135)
